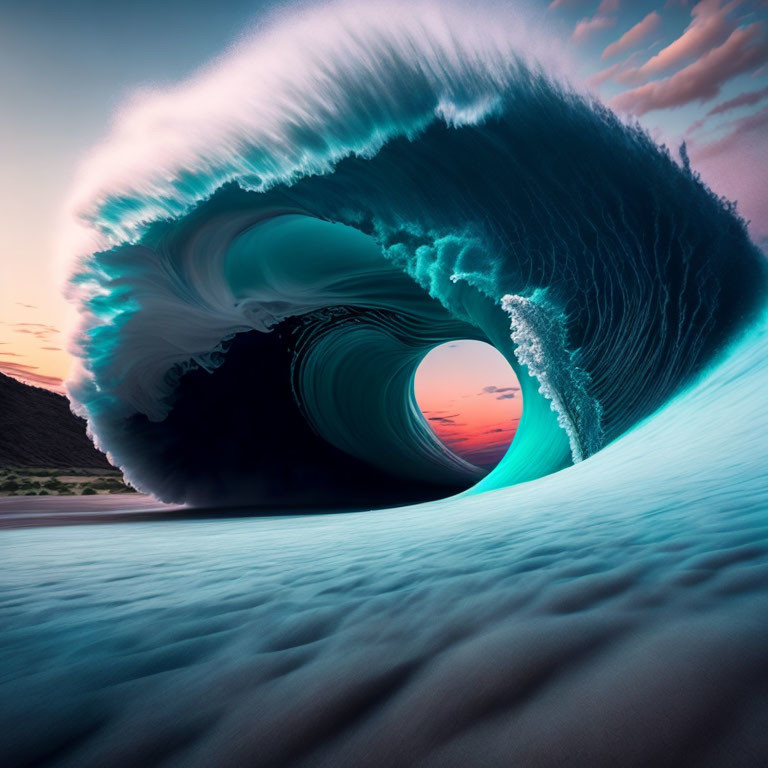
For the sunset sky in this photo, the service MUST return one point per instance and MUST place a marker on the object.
(693, 71)
(471, 398)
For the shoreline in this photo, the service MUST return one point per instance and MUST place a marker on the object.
(36, 511)
(18, 512)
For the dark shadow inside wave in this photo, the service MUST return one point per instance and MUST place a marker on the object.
(238, 434)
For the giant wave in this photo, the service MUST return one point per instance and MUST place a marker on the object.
(267, 251)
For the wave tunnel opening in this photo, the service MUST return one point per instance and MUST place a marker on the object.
(471, 397)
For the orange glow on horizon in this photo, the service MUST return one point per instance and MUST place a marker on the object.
(471, 397)
(33, 352)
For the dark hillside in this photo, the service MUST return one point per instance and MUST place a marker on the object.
(37, 429)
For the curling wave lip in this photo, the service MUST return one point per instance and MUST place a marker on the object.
(398, 186)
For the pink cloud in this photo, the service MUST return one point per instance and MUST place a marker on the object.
(587, 26)
(695, 126)
(38, 330)
(601, 20)
(560, 4)
(752, 127)
(606, 74)
(633, 36)
(736, 165)
(710, 27)
(50, 328)
(29, 375)
(745, 49)
(742, 100)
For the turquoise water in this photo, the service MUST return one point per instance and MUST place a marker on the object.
(607, 611)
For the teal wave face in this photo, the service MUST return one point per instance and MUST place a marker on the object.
(255, 318)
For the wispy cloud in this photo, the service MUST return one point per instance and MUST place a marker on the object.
(634, 36)
(586, 27)
(736, 165)
(43, 326)
(561, 4)
(29, 374)
(26, 306)
(602, 19)
(443, 419)
(604, 75)
(711, 25)
(742, 100)
(750, 128)
(40, 331)
(702, 80)
(502, 393)
(608, 6)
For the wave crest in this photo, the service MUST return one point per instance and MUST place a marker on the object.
(396, 186)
